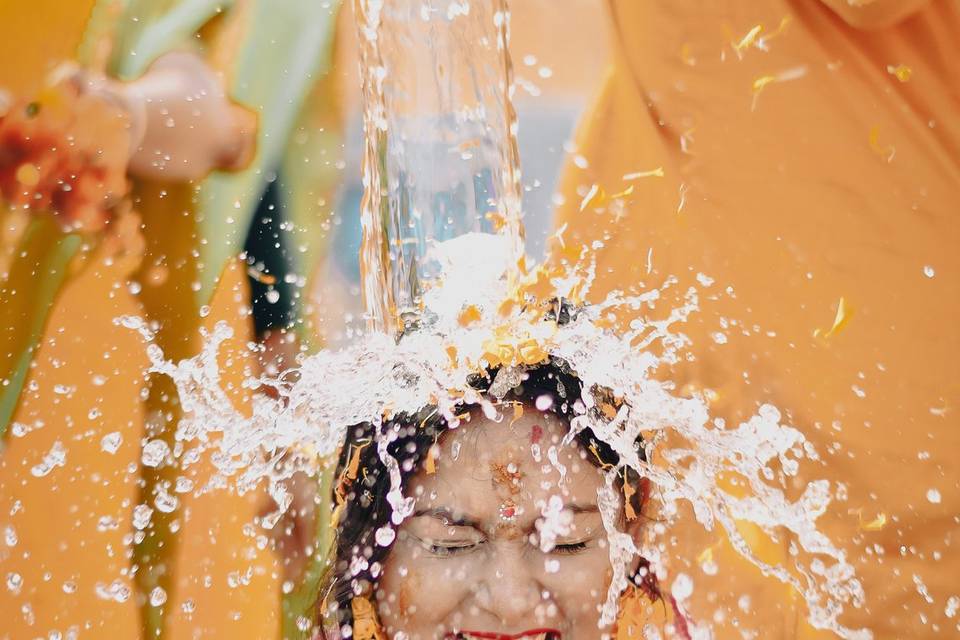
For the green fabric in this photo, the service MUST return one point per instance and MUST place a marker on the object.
(28, 301)
(150, 28)
(288, 47)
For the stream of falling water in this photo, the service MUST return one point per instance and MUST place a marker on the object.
(440, 153)
(443, 234)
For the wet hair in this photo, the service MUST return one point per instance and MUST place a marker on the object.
(365, 508)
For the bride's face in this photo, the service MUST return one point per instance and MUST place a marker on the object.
(470, 559)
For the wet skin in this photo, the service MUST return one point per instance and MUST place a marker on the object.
(469, 559)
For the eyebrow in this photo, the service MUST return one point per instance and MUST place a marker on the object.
(581, 508)
(447, 516)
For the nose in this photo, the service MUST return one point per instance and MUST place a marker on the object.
(510, 589)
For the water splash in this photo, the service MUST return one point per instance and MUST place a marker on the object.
(448, 296)
(687, 452)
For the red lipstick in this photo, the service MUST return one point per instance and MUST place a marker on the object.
(533, 634)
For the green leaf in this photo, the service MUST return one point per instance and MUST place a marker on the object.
(301, 602)
(288, 46)
(151, 28)
(37, 275)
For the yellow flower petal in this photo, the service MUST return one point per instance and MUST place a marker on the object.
(497, 220)
(653, 173)
(628, 491)
(748, 39)
(531, 352)
(886, 152)
(594, 197)
(469, 315)
(876, 524)
(452, 354)
(844, 313)
(430, 465)
(902, 72)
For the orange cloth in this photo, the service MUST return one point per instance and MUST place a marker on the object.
(35, 37)
(815, 159)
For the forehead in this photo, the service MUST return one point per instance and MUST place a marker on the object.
(483, 462)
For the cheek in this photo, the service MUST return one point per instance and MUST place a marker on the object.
(419, 593)
(406, 598)
(580, 586)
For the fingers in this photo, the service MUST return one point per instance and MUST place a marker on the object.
(119, 95)
(6, 101)
(241, 140)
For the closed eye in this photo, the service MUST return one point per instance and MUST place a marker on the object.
(446, 550)
(570, 548)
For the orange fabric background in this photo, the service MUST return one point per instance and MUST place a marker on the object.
(833, 179)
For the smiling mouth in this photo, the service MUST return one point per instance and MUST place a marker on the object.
(533, 634)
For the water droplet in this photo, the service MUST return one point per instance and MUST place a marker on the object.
(134, 287)
(14, 582)
(164, 502)
(953, 604)
(928, 271)
(141, 516)
(69, 587)
(55, 458)
(154, 452)
(385, 536)
(157, 597)
(116, 591)
(110, 443)
(682, 587)
(189, 606)
(705, 280)
(544, 402)
(10, 536)
(709, 567)
(933, 496)
(106, 523)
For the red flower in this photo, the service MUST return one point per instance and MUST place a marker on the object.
(64, 155)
